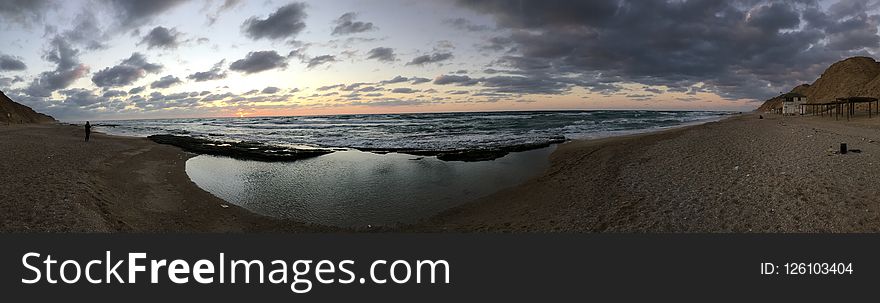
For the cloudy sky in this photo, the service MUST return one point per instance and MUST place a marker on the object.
(120, 59)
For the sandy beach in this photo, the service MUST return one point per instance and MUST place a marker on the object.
(52, 181)
(742, 174)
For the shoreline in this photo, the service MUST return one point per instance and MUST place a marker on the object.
(58, 183)
(739, 174)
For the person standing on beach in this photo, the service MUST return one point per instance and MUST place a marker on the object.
(88, 130)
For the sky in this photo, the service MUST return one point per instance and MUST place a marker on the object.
(126, 59)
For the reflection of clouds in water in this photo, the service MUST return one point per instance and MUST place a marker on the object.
(353, 188)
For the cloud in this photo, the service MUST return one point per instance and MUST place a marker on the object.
(161, 37)
(466, 25)
(391, 102)
(131, 14)
(165, 82)
(737, 49)
(432, 58)
(329, 87)
(270, 90)
(259, 61)
(126, 73)
(87, 32)
(215, 73)
(23, 11)
(137, 90)
(404, 90)
(346, 25)
(82, 97)
(286, 22)
(323, 59)
(114, 93)
(227, 5)
(67, 70)
(455, 79)
(396, 79)
(10, 63)
(419, 80)
(384, 54)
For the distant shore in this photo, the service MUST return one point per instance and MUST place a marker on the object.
(742, 174)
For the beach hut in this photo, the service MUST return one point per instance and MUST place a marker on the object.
(792, 104)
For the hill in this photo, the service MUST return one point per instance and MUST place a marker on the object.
(15, 113)
(851, 77)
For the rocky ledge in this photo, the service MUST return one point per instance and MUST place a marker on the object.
(238, 150)
(469, 155)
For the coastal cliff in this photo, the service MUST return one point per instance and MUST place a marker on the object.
(15, 113)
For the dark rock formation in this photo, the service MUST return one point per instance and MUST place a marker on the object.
(238, 150)
(469, 155)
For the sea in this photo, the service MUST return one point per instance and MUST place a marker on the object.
(421, 131)
(354, 188)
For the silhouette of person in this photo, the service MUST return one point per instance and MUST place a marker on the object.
(88, 130)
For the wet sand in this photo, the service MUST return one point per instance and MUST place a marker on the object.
(738, 175)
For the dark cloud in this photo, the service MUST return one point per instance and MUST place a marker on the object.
(347, 25)
(259, 61)
(67, 70)
(165, 82)
(133, 13)
(396, 79)
(323, 59)
(455, 79)
(10, 63)
(114, 93)
(286, 22)
(270, 90)
(391, 102)
(384, 54)
(524, 85)
(126, 73)
(329, 87)
(81, 97)
(215, 73)
(161, 37)
(432, 58)
(137, 90)
(87, 32)
(5, 82)
(404, 90)
(736, 49)
(419, 80)
(23, 11)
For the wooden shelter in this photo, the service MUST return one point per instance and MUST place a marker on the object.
(844, 107)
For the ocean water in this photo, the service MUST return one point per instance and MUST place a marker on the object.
(429, 131)
(352, 188)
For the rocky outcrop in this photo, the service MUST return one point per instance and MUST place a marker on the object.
(470, 155)
(262, 152)
(15, 113)
(239, 150)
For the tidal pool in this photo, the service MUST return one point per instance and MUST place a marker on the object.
(353, 188)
